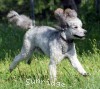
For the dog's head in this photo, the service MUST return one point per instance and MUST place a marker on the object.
(74, 25)
(71, 23)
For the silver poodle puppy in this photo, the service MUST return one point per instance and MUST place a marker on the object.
(57, 44)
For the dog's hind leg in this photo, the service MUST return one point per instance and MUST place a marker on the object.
(25, 53)
(29, 57)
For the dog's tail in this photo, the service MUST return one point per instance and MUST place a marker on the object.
(21, 21)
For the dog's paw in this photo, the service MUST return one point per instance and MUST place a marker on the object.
(86, 74)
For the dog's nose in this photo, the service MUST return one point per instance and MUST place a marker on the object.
(85, 31)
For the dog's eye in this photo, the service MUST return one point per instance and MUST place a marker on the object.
(76, 27)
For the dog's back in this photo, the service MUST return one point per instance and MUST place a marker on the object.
(40, 37)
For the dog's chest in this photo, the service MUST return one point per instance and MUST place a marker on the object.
(60, 46)
(65, 46)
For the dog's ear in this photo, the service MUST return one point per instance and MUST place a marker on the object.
(60, 16)
(59, 12)
(70, 13)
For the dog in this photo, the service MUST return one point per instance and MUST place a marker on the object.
(57, 44)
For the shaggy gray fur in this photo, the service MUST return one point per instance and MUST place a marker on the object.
(21, 21)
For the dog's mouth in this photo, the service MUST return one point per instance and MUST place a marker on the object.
(81, 37)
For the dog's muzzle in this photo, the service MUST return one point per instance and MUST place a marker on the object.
(80, 36)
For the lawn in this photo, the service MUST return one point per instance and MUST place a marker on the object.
(36, 76)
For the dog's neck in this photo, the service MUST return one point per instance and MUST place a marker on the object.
(66, 44)
(65, 39)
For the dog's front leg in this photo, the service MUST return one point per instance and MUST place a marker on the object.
(76, 64)
(55, 58)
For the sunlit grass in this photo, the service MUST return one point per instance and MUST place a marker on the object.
(38, 70)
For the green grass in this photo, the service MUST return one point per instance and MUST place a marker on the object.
(36, 74)
(38, 71)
